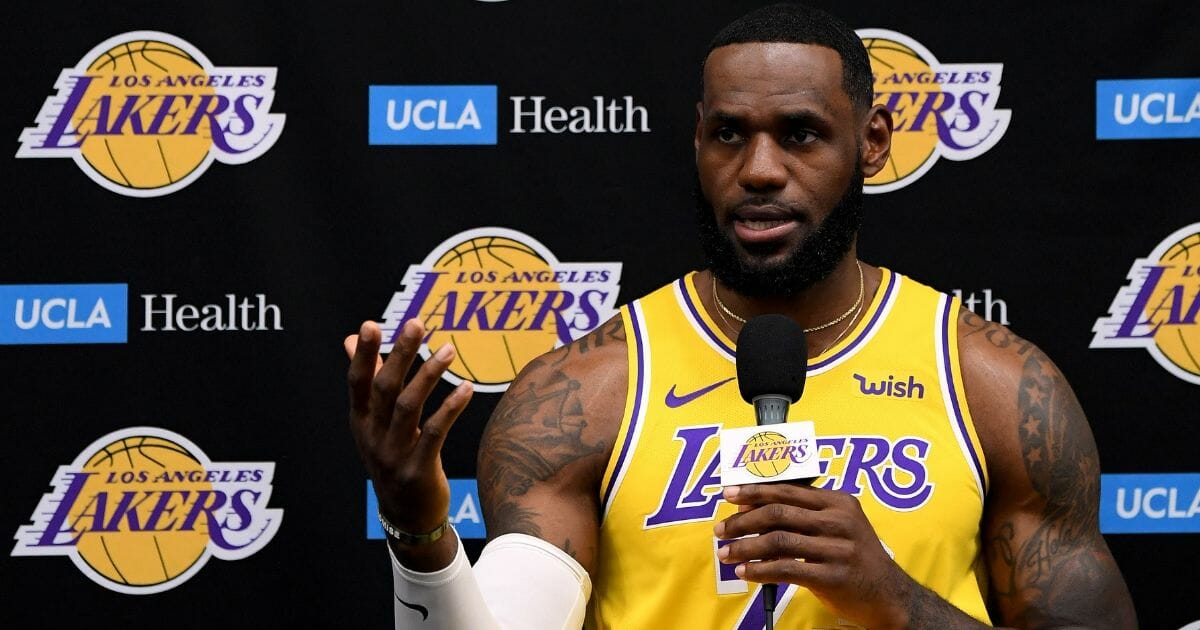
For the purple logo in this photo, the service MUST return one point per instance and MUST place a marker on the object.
(674, 401)
(891, 387)
(893, 472)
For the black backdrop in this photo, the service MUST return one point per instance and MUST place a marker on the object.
(325, 225)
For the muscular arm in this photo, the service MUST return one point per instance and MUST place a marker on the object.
(1048, 564)
(548, 441)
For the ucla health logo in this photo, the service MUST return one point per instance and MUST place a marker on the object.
(1148, 108)
(940, 109)
(1150, 503)
(1159, 307)
(63, 313)
(502, 298)
(145, 113)
(432, 114)
(141, 510)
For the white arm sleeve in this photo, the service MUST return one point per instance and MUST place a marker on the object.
(520, 583)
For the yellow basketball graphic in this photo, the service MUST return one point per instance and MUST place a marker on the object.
(1180, 344)
(487, 265)
(910, 149)
(764, 444)
(145, 113)
(132, 157)
(127, 468)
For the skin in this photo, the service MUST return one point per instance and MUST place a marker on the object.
(774, 123)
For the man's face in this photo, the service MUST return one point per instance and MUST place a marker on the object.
(777, 153)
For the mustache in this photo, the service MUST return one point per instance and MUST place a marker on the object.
(766, 201)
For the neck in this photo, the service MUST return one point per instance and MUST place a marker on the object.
(819, 304)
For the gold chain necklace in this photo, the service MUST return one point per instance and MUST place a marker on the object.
(724, 310)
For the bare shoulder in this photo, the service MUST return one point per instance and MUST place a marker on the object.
(996, 366)
(1027, 416)
(548, 441)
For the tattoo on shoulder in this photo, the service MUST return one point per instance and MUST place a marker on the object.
(995, 334)
(613, 331)
(536, 430)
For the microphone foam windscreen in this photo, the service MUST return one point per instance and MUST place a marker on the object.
(771, 357)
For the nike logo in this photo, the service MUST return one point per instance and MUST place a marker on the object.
(417, 607)
(674, 401)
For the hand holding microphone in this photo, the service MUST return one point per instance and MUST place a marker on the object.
(789, 532)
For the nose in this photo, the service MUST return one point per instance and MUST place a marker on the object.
(762, 164)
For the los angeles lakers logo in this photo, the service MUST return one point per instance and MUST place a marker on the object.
(501, 298)
(939, 109)
(145, 113)
(1159, 307)
(141, 510)
(769, 454)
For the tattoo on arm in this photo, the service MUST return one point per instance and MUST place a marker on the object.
(1061, 572)
(535, 432)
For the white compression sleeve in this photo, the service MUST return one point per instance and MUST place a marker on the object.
(520, 583)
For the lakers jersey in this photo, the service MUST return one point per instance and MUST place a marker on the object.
(892, 427)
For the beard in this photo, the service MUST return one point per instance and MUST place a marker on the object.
(816, 256)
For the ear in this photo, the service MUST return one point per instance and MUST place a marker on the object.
(877, 140)
(699, 119)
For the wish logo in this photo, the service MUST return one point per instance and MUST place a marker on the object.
(890, 387)
(63, 313)
(1148, 108)
(432, 114)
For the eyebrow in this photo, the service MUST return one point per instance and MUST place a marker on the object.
(800, 116)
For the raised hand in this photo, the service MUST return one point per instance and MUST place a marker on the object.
(402, 454)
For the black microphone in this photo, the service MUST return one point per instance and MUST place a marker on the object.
(771, 366)
(771, 362)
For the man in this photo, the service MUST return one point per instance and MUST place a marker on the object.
(973, 500)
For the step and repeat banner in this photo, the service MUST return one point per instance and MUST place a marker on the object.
(202, 199)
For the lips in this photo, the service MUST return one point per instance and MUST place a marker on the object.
(763, 224)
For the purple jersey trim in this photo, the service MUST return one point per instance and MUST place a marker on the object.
(893, 278)
(850, 347)
(960, 422)
(636, 412)
(695, 311)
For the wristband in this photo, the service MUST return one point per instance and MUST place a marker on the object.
(415, 540)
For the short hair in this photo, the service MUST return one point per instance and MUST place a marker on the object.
(798, 24)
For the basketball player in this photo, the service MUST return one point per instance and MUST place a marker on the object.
(962, 479)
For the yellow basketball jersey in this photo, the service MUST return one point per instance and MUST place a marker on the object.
(892, 429)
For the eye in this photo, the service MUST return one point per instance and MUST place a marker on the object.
(727, 135)
(803, 136)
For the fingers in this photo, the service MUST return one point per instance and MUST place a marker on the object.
(783, 544)
(786, 570)
(389, 381)
(350, 344)
(791, 517)
(433, 432)
(410, 402)
(798, 494)
(364, 354)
